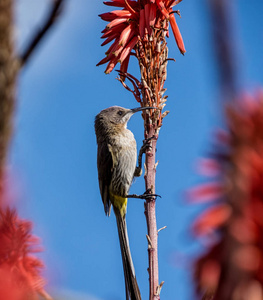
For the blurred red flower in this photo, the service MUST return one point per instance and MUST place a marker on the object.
(19, 270)
(233, 267)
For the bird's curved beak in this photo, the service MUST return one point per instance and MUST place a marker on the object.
(134, 110)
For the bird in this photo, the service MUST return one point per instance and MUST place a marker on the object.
(116, 162)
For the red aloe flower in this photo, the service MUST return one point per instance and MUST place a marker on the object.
(136, 21)
(233, 268)
(19, 271)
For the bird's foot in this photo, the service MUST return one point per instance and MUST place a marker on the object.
(146, 144)
(145, 196)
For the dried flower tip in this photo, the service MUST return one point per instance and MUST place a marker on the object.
(162, 91)
(163, 100)
(161, 106)
(159, 287)
(165, 114)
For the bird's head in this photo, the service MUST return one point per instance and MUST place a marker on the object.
(116, 115)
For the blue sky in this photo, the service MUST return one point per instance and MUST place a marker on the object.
(53, 152)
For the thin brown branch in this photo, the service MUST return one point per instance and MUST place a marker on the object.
(126, 74)
(135, 93)
(55, 11)
(164, 227)
(224, 45)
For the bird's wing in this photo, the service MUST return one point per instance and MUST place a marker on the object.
(105, 165)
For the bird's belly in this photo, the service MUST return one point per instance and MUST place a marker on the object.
(124, 167)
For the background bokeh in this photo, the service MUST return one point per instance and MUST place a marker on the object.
(53, 152)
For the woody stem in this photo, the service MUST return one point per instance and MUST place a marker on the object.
(151, 217)
(8, 72)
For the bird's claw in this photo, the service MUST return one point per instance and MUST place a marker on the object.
(145, 196)
(148, 194)
(146, 144)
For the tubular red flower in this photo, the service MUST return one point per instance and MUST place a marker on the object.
(116, 29)
(128, 49)
(118, 51)
(110, 38)
(111, 65)
(116, 22)
(129, 7)
(124, 66)
(177, 34)
(142, 23)
(147, 8)
(126, 34)
(162, 8)
(152, 15)
(110, 16)
(105, 60)
(119, 3)
(114, 47)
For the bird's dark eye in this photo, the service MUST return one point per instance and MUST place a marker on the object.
(120, 113)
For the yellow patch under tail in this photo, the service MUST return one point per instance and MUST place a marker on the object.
(120, 203)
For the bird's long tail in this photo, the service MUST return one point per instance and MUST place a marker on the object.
(131, 285)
